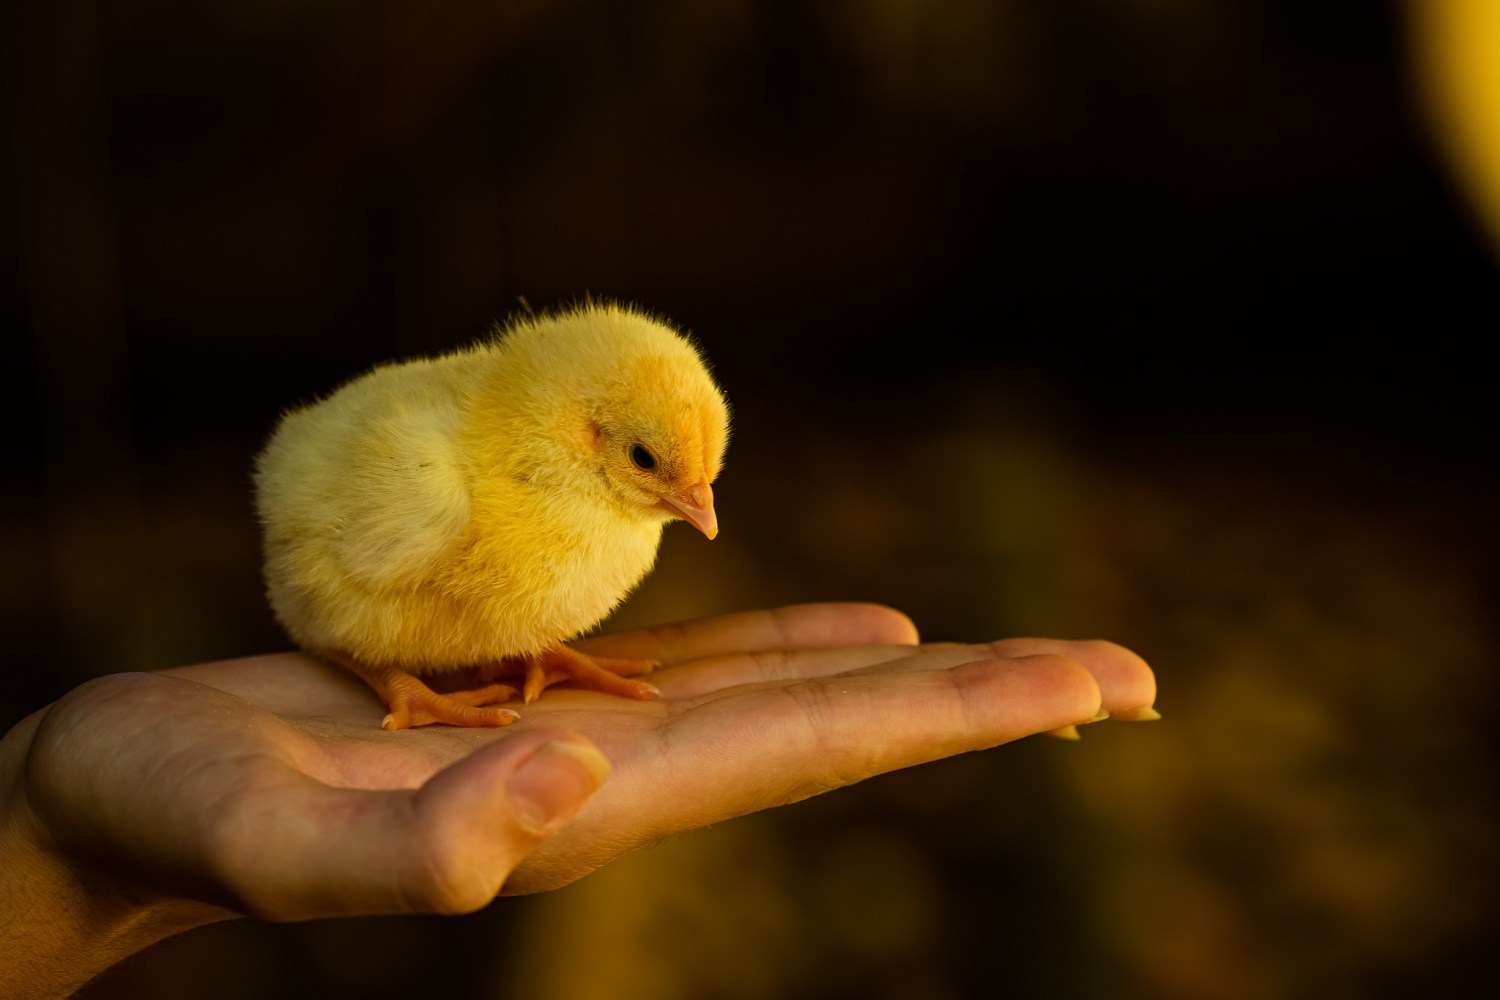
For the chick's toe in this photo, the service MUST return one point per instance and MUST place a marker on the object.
(413, 703)
(598, 673)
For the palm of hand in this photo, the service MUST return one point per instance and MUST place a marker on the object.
(267, 786)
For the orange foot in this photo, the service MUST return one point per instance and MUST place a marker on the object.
(413, 703)
(601, 673)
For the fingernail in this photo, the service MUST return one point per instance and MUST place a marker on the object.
(1142, 713)
(1066, 733)
(554, 782)
(1100, 715)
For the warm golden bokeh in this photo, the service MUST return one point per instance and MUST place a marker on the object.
(1456, 44)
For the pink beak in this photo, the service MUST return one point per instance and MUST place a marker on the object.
(697, 508)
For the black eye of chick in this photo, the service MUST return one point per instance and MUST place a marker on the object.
(643, 459)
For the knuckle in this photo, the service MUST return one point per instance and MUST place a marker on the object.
(772, 664)
(816, 703)
(667, 636)
(781, 624)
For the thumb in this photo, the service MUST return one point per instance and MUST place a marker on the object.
(479, 817)
(445, 847)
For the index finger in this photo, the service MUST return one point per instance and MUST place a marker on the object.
(796, 626)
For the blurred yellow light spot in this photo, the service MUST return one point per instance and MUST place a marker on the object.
(1457, 46)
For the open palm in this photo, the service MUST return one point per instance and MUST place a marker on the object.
(266, 785)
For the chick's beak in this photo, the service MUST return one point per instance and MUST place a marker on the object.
(695, 506)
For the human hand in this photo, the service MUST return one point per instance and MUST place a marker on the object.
(266, 786)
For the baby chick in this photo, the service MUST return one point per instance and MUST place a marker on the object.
(477, 509)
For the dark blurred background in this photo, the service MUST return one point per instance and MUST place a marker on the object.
(1145, 319)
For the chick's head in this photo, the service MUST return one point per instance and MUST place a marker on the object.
(630, 402)
(659, 434)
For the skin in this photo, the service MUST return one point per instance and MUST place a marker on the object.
(141, 805)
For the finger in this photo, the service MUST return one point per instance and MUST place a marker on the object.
(1125, 680)
(795, 626)
(707, 675)
(773, 666)
(1127, 684)
(835, 731)
(303, 849)
(770, 746)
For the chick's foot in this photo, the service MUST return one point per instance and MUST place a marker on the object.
(413, 703)
(599, 673)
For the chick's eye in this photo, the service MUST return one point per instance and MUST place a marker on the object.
(641, 458)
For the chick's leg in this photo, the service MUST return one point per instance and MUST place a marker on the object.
(600, 673)
(413, 703)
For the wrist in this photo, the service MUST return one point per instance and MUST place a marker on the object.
(64, 918)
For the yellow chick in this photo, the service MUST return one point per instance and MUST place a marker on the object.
(477, 509)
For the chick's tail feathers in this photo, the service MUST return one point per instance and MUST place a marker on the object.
(413, 703)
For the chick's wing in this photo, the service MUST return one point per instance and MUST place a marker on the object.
(407, 501)
(366, 486)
